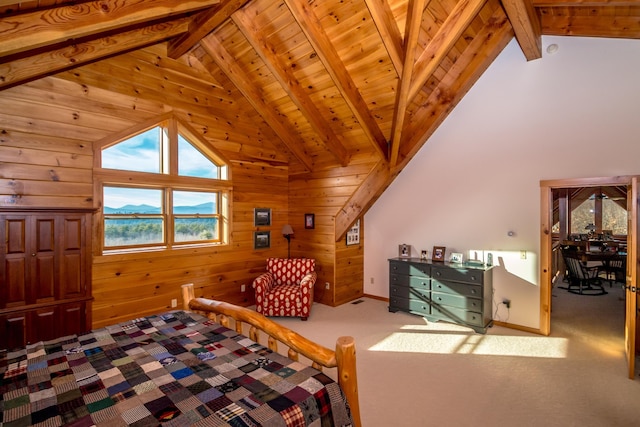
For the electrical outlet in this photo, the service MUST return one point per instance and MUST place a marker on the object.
(243, 288)
(327, 286)
(174, 303)
(523, 254)
(507, 302)
(372, 280)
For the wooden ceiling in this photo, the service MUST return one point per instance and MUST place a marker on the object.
(337, 83)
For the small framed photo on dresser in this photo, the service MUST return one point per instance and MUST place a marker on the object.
(438, 253)
(456, 257)
(404, 251)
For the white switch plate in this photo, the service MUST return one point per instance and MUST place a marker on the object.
(174, 303)
(243, 288)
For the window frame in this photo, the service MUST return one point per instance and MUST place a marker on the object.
(167, 181)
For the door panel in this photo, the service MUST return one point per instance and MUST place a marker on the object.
(15, 256)
(43, 289)
(632, 277)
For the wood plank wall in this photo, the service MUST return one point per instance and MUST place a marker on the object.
(47, 128)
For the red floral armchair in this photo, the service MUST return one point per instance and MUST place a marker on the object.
(286, 289)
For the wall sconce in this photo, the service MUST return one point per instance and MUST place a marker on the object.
(287, 232)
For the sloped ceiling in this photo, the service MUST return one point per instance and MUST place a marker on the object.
(337, 83)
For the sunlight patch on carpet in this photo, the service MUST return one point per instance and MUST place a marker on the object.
(415, 339)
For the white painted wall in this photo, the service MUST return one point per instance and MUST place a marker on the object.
(573, 114)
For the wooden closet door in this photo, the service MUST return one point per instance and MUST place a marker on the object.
(73, 256)
(43, 259)
(15, 258)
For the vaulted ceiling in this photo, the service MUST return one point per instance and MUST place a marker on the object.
(337, 83)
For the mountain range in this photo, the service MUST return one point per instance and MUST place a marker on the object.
(204, 208)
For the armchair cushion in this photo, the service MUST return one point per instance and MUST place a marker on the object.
(286, 288)
(288, 271)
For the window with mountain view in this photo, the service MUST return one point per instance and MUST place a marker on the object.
(180, 195)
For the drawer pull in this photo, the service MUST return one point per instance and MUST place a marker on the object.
(473, 278)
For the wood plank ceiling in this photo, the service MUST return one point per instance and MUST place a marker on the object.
(338, 83)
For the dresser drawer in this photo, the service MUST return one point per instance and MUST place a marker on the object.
(466, 303)
(458, 315)
(409, 268)
(457, 274)
(409, 305)
(410, 292)
(455, 288)
(398, 279)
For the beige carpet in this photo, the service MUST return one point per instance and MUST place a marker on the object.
(414, 373)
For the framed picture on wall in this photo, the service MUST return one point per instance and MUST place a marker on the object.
(309, 221)
(353, 234)
(261, 216)
(261, 239)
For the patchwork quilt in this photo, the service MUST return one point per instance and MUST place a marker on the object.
(173, 369)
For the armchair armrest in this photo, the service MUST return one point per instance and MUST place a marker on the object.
(309, 280)
(263, 283)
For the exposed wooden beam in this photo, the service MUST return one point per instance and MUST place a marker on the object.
(312, 28)
(253, 94)
(584, 3)
(42, 64)
(363, 198)
(525, 21)
(389, 31)
(480, 53)
(412, 31)
(626, 27)
(24, 32)
(203, 24)
(447, 36)
(290, 84)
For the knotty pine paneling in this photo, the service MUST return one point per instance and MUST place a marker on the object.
(46, 159)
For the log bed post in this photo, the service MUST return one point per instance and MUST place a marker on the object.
(343, 358)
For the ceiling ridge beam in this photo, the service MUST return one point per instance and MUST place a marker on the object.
(228, 65)
(458, 20)
(291, 85)
(42, 64)
(389, 31)
(412, 31)
(626, 27)
(584, 3)
(320, 42)
(33, 30)
(202, 24)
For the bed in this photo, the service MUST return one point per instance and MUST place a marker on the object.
(190, 367)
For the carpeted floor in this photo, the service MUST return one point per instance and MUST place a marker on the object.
(414, 373)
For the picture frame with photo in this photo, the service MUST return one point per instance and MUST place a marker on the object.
(353, 234)
(424, 255)
(261, 239)
(309, 221)
(404, 251)
(456, 257)
(261, 216)
(438, 253)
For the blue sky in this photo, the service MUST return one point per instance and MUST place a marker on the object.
(141, 153)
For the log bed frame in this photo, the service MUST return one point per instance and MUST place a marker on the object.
(343, 358)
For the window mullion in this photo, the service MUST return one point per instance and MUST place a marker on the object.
(171, 146)
(168, 217)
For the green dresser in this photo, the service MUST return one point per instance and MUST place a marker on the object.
(458, 293)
